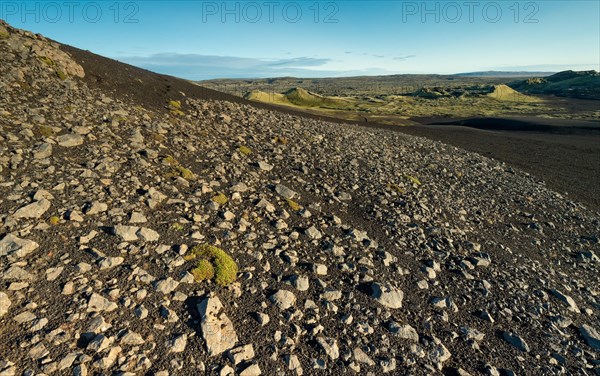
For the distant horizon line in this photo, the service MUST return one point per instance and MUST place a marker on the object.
(490, 73)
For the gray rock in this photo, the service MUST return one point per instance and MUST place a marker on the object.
(33, 210)
(265, 166)
(69, 140)
(439, 355)
(137, 217)
(166, 286)
(251, 370)
(241, 354)
(4, 303)
(132, 338)
(217, 329)
(387, 295)
(110, 262)
(261, 318)
(331, 295)
(567, 300)
(53, 273)
(17, 273)
(300, 282)
(330, 346)
(178, 343)
(515, 341)
(361, 357)
(95, 208)
(404, 331)
(148, 235)
(98, 303)
(13, 245)
(293, 364)
(284, 191)
(42, 151)
(313, 233)
(283, 299)
(591, 336)
(127, 233)
(25, 316)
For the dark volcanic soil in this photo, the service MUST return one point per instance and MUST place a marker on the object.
(566, 162)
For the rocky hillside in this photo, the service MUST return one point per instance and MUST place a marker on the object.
(216, 237)
(583, 84)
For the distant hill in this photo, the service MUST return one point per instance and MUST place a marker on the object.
(504, 74)
(572, 84)
(505, 93)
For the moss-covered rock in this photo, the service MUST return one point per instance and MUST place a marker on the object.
(245, 150)
(413, 180)
(212, 263)
(178, 169)
(175, 108)
(293, 205)
(44, 131)
(220, 199)
(62, 75)
(46, 60)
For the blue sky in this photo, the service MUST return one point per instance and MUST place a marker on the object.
(217, 39)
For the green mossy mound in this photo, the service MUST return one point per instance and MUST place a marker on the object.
(212, 263)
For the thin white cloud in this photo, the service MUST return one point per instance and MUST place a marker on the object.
(201, 67)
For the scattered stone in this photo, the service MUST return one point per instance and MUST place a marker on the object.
(217, 328)
(284, 191)
(313, 233)
(241, 354)
(69, 140)
(4, 303)
(53, 273)
(330, 346)
(363, 358)
(515, 341)
(567, 300)
(12, 245)
(34, 210)
(178, 343)
(98, 303)
(43, 151)
(166, 286)
(591, 336)
(283, 299)
(387, 295)
(132, 338)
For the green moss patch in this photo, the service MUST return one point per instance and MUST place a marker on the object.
(62, 75)
(46, 60)
(212, 263)
(178, 169)
(413, 180)
(175, 108)
(395, 187)
(220, 199)
(177, 226)
(44, 131)
(245, 150)
(293, 205)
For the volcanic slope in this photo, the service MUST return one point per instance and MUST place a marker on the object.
(210, 236)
